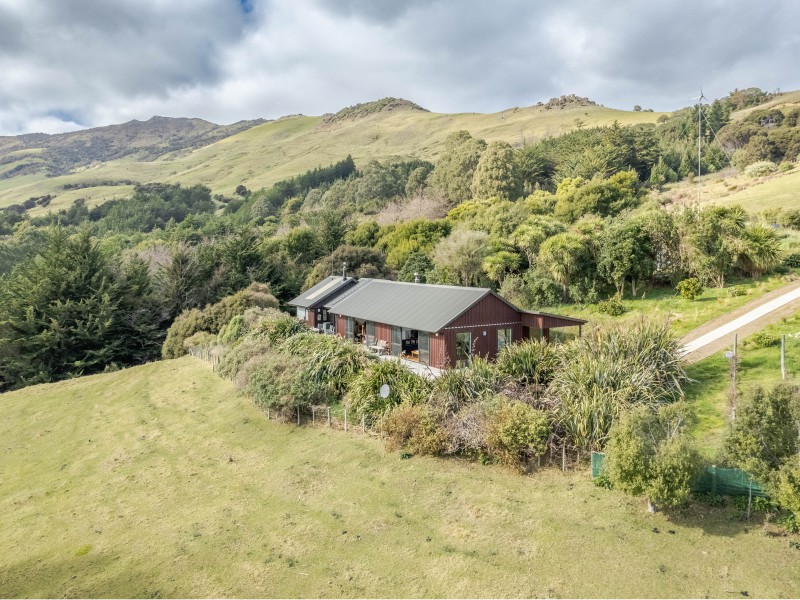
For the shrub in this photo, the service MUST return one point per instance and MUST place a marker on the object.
(466, 431)
(613, 306)
(760, 339)
(690, 288)
(277, 326)
(215, 317)
(332, 360)
(760, 168)
(279, 382)
(764, 432)
(737, 290)
(606, 372)
(415, 427)
(364, 397)
(201, 339)
(233, 359)
(516, 432)
(649, 454)
(184, 326)
(233, 332)
(787, 487)
(532, 362)
(785, 166)
(793, 260)
(456, 387)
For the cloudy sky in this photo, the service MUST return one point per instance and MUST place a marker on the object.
(68, 64)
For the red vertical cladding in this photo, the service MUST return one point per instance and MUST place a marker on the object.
(384, 332)
(341, 326)
(441, 356)
(489, 310)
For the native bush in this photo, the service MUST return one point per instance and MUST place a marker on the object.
(201, 339)
(612, 306)
(332, 360)
(760, 339)
(233, 359)
(215, 318)
(793, 260)
(606, 372)
(280, 382)
(531, 362)
(466, 430)
(456, 387)
(516, 432)
(760, 168)
(786, 486)
(364, 397)
(233, 331)
(764, 432)
(277, 327)
(414, 427)
(690, 288)
(649, 454)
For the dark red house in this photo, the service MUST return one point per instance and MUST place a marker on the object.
(439, 325)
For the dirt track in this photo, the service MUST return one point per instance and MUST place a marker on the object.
(726, 341)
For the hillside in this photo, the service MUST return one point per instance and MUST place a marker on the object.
(158, 481)
(271, 151)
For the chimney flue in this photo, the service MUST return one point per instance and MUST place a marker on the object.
(416, 277)
(344, 271)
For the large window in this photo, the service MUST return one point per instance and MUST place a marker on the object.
(397, 341)
(503, 338)
(349, 328)
(463, 349)
(370, 333)
(424, 344)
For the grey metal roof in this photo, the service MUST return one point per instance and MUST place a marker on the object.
(324, 290)
(423, 307)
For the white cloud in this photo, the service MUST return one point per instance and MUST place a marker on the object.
(88, 63)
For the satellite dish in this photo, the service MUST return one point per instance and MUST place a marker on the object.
(729, 355)
(385, 390)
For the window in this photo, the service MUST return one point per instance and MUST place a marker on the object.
(424, 344)
(463, 349)
(370, 333)
(348, 324)
(397, 341)
(301, 313)
(503, 338)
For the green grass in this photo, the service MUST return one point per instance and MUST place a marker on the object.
(780, 190)
(279, 149)
(661, 303)
(757, 367)
(159, 481)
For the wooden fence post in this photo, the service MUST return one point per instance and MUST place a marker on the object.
(329, 416)
(298, 415)
(783, 357)
(313, 416)
(564, 456)
(363, 424)
(345, 419)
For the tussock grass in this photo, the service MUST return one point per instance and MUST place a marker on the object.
(173, 485)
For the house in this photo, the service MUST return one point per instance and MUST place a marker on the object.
(439, 325)
(312, 305)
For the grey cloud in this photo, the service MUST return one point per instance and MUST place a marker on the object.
(100, 61)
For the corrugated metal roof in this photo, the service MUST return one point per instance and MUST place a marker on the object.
(423, 307)
(322, 291)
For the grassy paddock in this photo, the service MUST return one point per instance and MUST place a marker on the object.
(757, 367)
(663, 303)
(160, 481)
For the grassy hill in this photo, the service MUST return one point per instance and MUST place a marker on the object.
(266, 153)
(158, 481)
(780, 190)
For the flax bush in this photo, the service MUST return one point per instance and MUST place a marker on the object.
(516, 432)
(363, 395)
(457, 387)
(330, 359)
(531, 362)
(606, 372)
